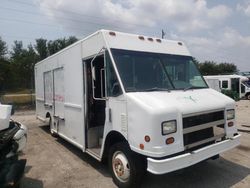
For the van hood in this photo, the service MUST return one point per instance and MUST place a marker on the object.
(186, 102)
(148, 110)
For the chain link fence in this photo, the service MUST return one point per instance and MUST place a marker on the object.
(23, 98)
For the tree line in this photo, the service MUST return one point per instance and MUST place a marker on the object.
(17, 64)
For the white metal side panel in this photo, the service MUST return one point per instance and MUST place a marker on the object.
(59, 92)
(93, 45)
(132, 42)
(73, 127)
(39, 91)
(48, 87)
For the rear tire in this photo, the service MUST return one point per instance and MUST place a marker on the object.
(126, 167)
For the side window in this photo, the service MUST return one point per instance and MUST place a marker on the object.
(48, 87)
(243, 88)
(224, 84)
(113, 86)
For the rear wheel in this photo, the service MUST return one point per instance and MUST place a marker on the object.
(127, 168)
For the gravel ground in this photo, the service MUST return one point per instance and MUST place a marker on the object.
(54, 163)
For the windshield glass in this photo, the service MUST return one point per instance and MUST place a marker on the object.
(247, 84)
(146, 71)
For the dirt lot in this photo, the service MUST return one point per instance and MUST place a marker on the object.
(54, 163)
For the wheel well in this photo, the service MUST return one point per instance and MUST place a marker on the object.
(112, 138)
(47, 115)
(248, 93)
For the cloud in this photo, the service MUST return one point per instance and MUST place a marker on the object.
(227, 45)
(183, 15)
(202, 27)
(245, 8)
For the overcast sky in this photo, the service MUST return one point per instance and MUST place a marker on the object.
(216, 30)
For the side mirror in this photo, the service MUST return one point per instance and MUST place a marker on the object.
(116, 90)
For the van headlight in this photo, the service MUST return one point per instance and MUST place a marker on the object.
(168, 127)
(230, 114)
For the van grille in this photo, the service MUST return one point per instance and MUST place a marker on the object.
(203, 129)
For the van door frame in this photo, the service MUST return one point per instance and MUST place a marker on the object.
(85, 94)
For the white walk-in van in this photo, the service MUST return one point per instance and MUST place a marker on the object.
(137, 101)
(236, 83)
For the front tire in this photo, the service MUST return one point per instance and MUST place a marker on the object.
(127, 168)
(248, 96)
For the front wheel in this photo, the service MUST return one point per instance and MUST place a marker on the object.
(248, 96)
(127, 168)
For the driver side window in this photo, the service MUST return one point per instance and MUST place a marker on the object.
(113, 86)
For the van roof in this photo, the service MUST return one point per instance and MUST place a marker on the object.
(120, 40)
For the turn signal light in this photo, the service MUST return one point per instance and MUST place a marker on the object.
(141, 146)
(170, 140)
(230, 124)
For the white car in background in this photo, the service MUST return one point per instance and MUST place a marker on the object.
(13, 138)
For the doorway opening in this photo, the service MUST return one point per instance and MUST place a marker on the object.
(96, 103)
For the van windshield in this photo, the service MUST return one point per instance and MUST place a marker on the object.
(146, 71)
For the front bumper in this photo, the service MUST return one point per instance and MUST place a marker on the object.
(21, 137)
(181, 161)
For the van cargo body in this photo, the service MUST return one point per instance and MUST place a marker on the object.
(236, 83)
(138, 101)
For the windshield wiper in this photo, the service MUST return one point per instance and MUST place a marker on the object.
(192, 87)
(157, 89)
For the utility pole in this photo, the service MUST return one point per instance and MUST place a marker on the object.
(163, 34)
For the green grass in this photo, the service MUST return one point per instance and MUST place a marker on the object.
(17, 99)
(19, 91)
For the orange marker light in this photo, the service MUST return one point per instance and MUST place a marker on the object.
(147, 138)
(170, 140)
(230, 124)
(141, 146)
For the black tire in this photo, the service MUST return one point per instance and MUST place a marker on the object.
(248, 96)
(136, 165)
(215, 157)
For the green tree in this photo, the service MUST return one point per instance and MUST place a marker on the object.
(3, 49)
(213, 68)
(227, 68)
(22, 66)
(56, 45)
(41, 48)
(71, 40)
(208, 68)
(4, 65)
